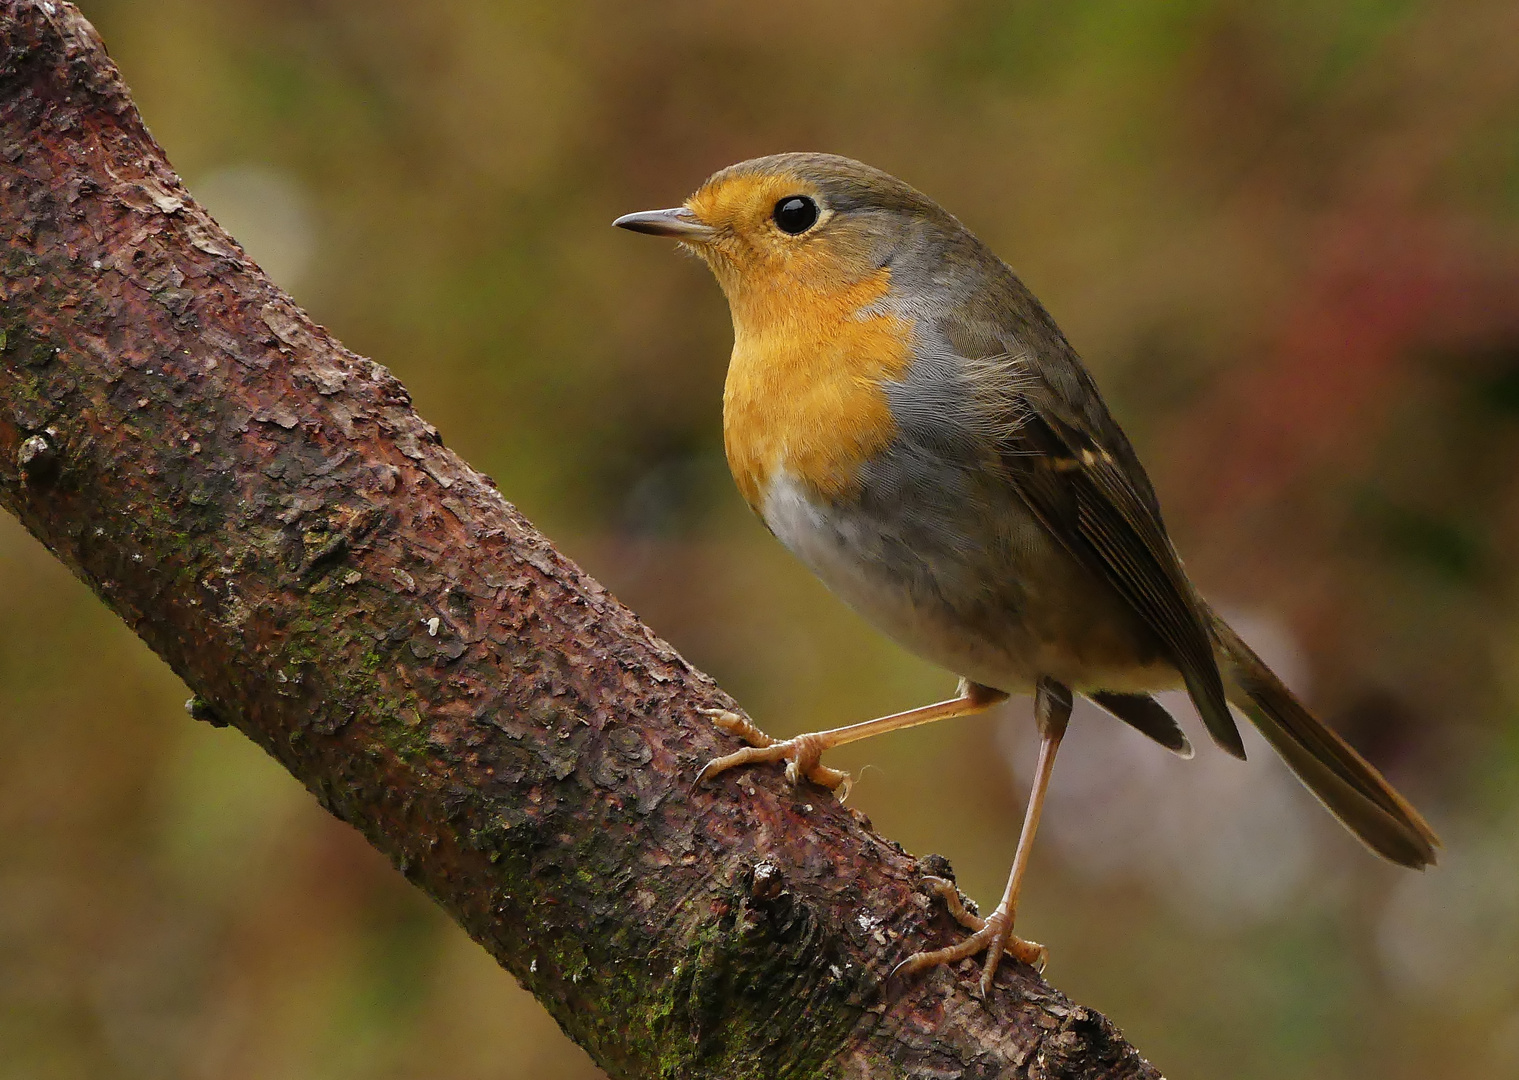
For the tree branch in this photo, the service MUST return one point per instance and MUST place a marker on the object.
(265, 509)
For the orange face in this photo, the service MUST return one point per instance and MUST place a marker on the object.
(747, 246)
(811, 347)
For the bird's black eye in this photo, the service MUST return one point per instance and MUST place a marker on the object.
(795, 214)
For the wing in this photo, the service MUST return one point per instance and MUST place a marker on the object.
(1070, 462)
(1085, 494)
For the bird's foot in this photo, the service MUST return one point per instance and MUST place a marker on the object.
(992, 935)
(802, 754)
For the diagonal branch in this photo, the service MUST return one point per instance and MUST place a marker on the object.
(265, 509)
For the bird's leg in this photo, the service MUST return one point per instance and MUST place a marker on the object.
(802, 753)
(994, 934)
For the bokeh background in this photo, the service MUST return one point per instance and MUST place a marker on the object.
(1285, 235)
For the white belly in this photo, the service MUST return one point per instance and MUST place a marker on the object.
(854, 559)
(1003, 622)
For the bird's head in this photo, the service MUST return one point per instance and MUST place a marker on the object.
(795, 226)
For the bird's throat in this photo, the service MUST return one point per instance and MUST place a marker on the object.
(805, 391)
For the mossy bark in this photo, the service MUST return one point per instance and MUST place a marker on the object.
(265, 509)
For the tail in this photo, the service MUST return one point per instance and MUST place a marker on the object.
(1342, 780)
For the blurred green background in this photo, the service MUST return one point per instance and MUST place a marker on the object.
(1285, 235)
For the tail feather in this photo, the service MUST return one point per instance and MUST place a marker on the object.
(1145, 714)
(1327, 765)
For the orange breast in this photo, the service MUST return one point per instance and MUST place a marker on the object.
(804, 391)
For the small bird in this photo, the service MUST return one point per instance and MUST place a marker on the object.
(908, 420)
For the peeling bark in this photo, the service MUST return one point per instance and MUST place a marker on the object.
(265, 509)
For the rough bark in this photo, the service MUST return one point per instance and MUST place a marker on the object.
(265, 509)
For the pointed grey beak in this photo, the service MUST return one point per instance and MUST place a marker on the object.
(677, 222)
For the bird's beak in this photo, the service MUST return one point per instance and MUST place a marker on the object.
(677, 222)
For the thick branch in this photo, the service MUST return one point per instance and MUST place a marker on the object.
(264, 508)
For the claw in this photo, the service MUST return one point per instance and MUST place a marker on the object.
(992, 935)
(800, 754)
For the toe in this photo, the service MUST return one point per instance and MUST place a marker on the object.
(736, 724)
(747, 756)
(947, 891)
(1031, 953)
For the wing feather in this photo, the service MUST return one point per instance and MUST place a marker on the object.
(1083, 494)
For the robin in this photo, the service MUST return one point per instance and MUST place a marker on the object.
(908, 420)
